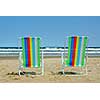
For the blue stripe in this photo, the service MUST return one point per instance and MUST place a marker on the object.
(26, 51)
(33, 50)
(36, 51)
(79, 50)
(71, 51)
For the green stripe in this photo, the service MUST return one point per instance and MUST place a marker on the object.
(38, 48)
(83, 51)
(23, 53)
(69, 47)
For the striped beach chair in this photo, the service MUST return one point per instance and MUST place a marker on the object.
(31, 56)
(76, 52)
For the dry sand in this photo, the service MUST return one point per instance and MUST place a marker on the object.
(9, 68)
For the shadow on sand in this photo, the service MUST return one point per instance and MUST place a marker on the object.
(22, 73)
(67, 73)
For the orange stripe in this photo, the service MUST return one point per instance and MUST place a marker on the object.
(74, 51)
(77, 43)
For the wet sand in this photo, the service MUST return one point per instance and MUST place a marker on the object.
(9, 70)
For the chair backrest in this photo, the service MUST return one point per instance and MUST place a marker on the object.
(31, 51)
(76, 51)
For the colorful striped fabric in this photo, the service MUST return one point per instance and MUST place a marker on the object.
(31, 51)
(76, 51)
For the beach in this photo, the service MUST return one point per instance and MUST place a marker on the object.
(9, 72)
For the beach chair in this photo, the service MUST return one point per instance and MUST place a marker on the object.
(77, 56)
(31, 57)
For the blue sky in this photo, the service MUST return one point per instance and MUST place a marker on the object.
(53, 30)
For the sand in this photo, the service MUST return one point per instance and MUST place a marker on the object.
(9, 70)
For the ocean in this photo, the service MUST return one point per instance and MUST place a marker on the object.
(47, 51)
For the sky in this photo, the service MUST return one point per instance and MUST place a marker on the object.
(53, 30)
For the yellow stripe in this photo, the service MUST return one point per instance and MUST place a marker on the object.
(77, 42)
(31, 51)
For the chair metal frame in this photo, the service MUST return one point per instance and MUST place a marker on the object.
(63, 57)
(20, 67)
